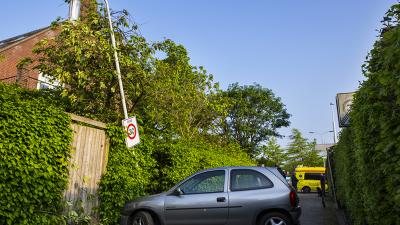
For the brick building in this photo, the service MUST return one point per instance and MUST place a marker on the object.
(12, 50)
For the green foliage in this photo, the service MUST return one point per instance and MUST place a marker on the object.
(254, 116)
(301, 152)
(367, 156)
(180, 158)
(129, 174)
(177, 99)
(178, 104)
(81, 58)
(34, 152)
(75, 213)
(272, 154)
(162, 91)
(347, 176)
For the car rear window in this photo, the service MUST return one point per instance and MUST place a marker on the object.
(247, 179)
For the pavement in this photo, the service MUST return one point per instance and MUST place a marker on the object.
(314, 214)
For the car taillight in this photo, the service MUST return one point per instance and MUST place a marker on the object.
(293, 199)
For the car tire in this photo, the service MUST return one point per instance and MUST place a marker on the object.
(306, 189)
(274, 218)
(142, 218)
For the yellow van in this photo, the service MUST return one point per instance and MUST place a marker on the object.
(310, 178)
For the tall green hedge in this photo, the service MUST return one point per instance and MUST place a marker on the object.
(34, 151)
(368, 154)
(347, 176)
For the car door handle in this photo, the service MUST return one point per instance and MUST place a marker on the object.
(221, 199)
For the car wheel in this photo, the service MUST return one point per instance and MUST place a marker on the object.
(306, 189)
(142, 218)
(275, 218)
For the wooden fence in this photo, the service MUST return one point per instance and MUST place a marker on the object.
(88, 161)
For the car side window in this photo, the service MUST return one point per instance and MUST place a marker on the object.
(247, 179)
(208, 182)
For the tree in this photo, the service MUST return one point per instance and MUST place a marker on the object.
(81, 58)
(272, 154)
(311, 155)
(162, 92)
(301, 152)
(254, 115)
(177, 99)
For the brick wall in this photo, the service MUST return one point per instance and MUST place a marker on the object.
(14, 53)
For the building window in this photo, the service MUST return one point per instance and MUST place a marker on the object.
(45, 82)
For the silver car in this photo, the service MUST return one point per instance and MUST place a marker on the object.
(220, 196)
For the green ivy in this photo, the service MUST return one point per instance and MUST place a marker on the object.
(129, 174)
(35, 139)
(367, 156)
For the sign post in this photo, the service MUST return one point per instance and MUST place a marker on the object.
(129, 124)
(132, 132)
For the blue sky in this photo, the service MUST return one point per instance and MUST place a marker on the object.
(306, 51)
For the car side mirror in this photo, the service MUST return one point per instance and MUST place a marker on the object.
(178, 192)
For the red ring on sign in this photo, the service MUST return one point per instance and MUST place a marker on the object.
(127, 131)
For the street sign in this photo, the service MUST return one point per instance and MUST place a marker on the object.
(132, 132)
(343, 104)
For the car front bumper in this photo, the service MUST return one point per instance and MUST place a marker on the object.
(124, 220)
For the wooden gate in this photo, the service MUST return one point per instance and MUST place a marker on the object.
(88, 162)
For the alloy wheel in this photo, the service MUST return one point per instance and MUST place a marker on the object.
(138, 221)
(275, 221)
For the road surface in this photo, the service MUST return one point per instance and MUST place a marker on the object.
(314, 214)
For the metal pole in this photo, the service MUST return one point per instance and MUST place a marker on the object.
(333, 124)
(328, 158)
(331, 178)
(121, 88)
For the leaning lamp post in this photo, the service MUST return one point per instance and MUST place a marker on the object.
(121, 88)
(129, 124)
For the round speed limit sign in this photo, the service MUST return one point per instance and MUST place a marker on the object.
(131, 130)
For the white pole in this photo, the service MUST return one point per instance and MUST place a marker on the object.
(121, 88)
(74, 10)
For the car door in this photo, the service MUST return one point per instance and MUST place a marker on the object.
(313, 179)
(203, 201)
(249, 191)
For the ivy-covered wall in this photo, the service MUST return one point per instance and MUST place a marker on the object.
(34, 151)
(367, 157)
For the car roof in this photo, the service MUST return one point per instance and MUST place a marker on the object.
(270, 169)
(237, 167)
